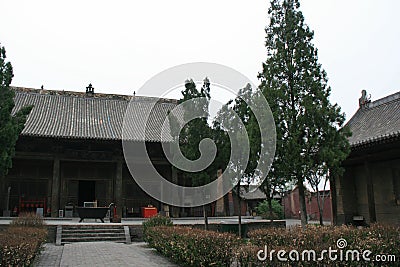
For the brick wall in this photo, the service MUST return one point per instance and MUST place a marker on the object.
(291, 206)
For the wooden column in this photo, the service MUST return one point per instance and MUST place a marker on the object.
(3, 194)
(118, 188)
(55, 188)
(174, 211)
(49, 194)
(370, 192)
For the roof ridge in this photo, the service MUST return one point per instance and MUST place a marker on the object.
(100, 96)
(384, 100)
(377, 121)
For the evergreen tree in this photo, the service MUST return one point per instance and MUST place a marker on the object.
(309, 129)
(193, 133)
(225, 123)
(11, 125)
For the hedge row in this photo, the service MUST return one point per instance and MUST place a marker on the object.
(192, 247)
(379, 239)
(157, 220)
(28, 219)
(195, 247)
(21, 241)
(19, 245)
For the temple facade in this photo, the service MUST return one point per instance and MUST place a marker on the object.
(70, 152)
(369, 189)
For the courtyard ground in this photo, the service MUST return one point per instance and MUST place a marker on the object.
(113, 254)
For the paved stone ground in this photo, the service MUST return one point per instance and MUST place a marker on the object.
(50, 255)
(108, 253)
(101, 254)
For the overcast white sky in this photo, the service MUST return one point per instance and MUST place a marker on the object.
(119, 45)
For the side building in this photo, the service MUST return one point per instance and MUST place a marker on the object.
(70, 152)
(369, 190)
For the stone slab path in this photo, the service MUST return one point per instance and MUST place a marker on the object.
(101, 254)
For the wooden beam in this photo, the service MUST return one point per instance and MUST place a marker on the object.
(62, 157)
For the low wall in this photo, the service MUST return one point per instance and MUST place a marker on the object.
(51, 233)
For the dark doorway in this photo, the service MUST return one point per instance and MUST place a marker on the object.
(86, 192)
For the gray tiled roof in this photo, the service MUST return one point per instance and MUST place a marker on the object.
(63, 114)
(379, 121)
(257, 194)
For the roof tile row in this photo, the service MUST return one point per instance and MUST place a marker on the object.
(378, 121)
(74, 115)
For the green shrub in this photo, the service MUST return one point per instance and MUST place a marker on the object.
(28, 219)
(157, 220)
(277, 210)
(19, 245)
(193, 247)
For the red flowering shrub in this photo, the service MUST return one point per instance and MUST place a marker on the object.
(19, 245)
(20, 242)
(379, 239)
(28, 219)
(193, 247)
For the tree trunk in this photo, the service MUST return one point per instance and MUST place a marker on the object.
(332, 184)
(271, 213)
(320, 208)
(205, 217)
(240, 211)
(240, 218)
(321, 222)
(322, 203)
(302, 202)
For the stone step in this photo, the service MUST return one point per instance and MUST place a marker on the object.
(93, 234)
(92, 239)
(93, 227)
(120, 230)
(84, 233)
